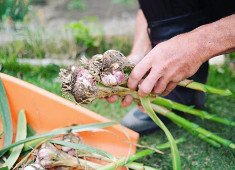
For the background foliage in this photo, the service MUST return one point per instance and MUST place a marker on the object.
(14, 9)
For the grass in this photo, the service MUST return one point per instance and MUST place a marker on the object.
(195, 153)
(41, 44)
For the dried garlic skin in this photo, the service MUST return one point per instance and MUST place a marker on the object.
(78, 82)
(107, 69)
(84, 89)
(114, 79)
(68, 78)
(73, 138)
(114, 64)
(50, 156)
(95, 66)
(116, 60)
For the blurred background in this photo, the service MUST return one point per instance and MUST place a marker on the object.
(66, 28)
(38, 37)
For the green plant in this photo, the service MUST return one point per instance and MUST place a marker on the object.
(120, 43)
(14, 9)
(232, 56)
(77, 4)
(38, 44)
(39, 2)
(85, 39)
(84, 35)
(125, 2)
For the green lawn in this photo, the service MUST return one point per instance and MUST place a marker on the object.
(195, 153)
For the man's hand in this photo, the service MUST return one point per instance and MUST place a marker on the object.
(180, 57)
(168, 63)
(126, 102)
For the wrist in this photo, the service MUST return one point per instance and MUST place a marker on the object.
(138, 52)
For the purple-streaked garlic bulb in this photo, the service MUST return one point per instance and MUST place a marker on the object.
(116, 78)
(83, 76)
(46, 155)
(79, 82)
(49, 156)
(114, 63)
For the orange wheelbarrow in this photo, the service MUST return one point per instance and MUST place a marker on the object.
(46, 111)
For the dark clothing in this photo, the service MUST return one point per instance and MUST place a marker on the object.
(168, 18)
(155, 10)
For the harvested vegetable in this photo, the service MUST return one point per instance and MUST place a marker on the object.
(107, 74)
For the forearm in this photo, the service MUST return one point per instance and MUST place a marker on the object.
(180, 57)
(214, 39)
(142, 44)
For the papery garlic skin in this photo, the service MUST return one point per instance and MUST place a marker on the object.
(45, 154)
(85, 82)
(84, 76)
(117, 78)
(120, 76)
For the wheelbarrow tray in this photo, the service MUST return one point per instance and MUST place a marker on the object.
(46, 111)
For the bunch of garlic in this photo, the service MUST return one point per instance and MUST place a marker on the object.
(85, 82)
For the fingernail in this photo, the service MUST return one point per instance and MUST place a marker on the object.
(165, 93)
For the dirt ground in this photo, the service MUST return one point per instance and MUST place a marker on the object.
(114, 18)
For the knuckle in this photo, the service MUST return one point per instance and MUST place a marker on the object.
(158, 71)
(159, 89)
(177, 79)
(135, 75)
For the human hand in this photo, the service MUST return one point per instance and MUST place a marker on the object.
(169, 63)
(126, 101)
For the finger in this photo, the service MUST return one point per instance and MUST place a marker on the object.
(112, 98)
(127, 101)
(160, 86)
(148, 84)
(169, 88)
(138, 72)
(142, 109)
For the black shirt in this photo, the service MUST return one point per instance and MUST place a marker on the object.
(168, 18)
(162, 9)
